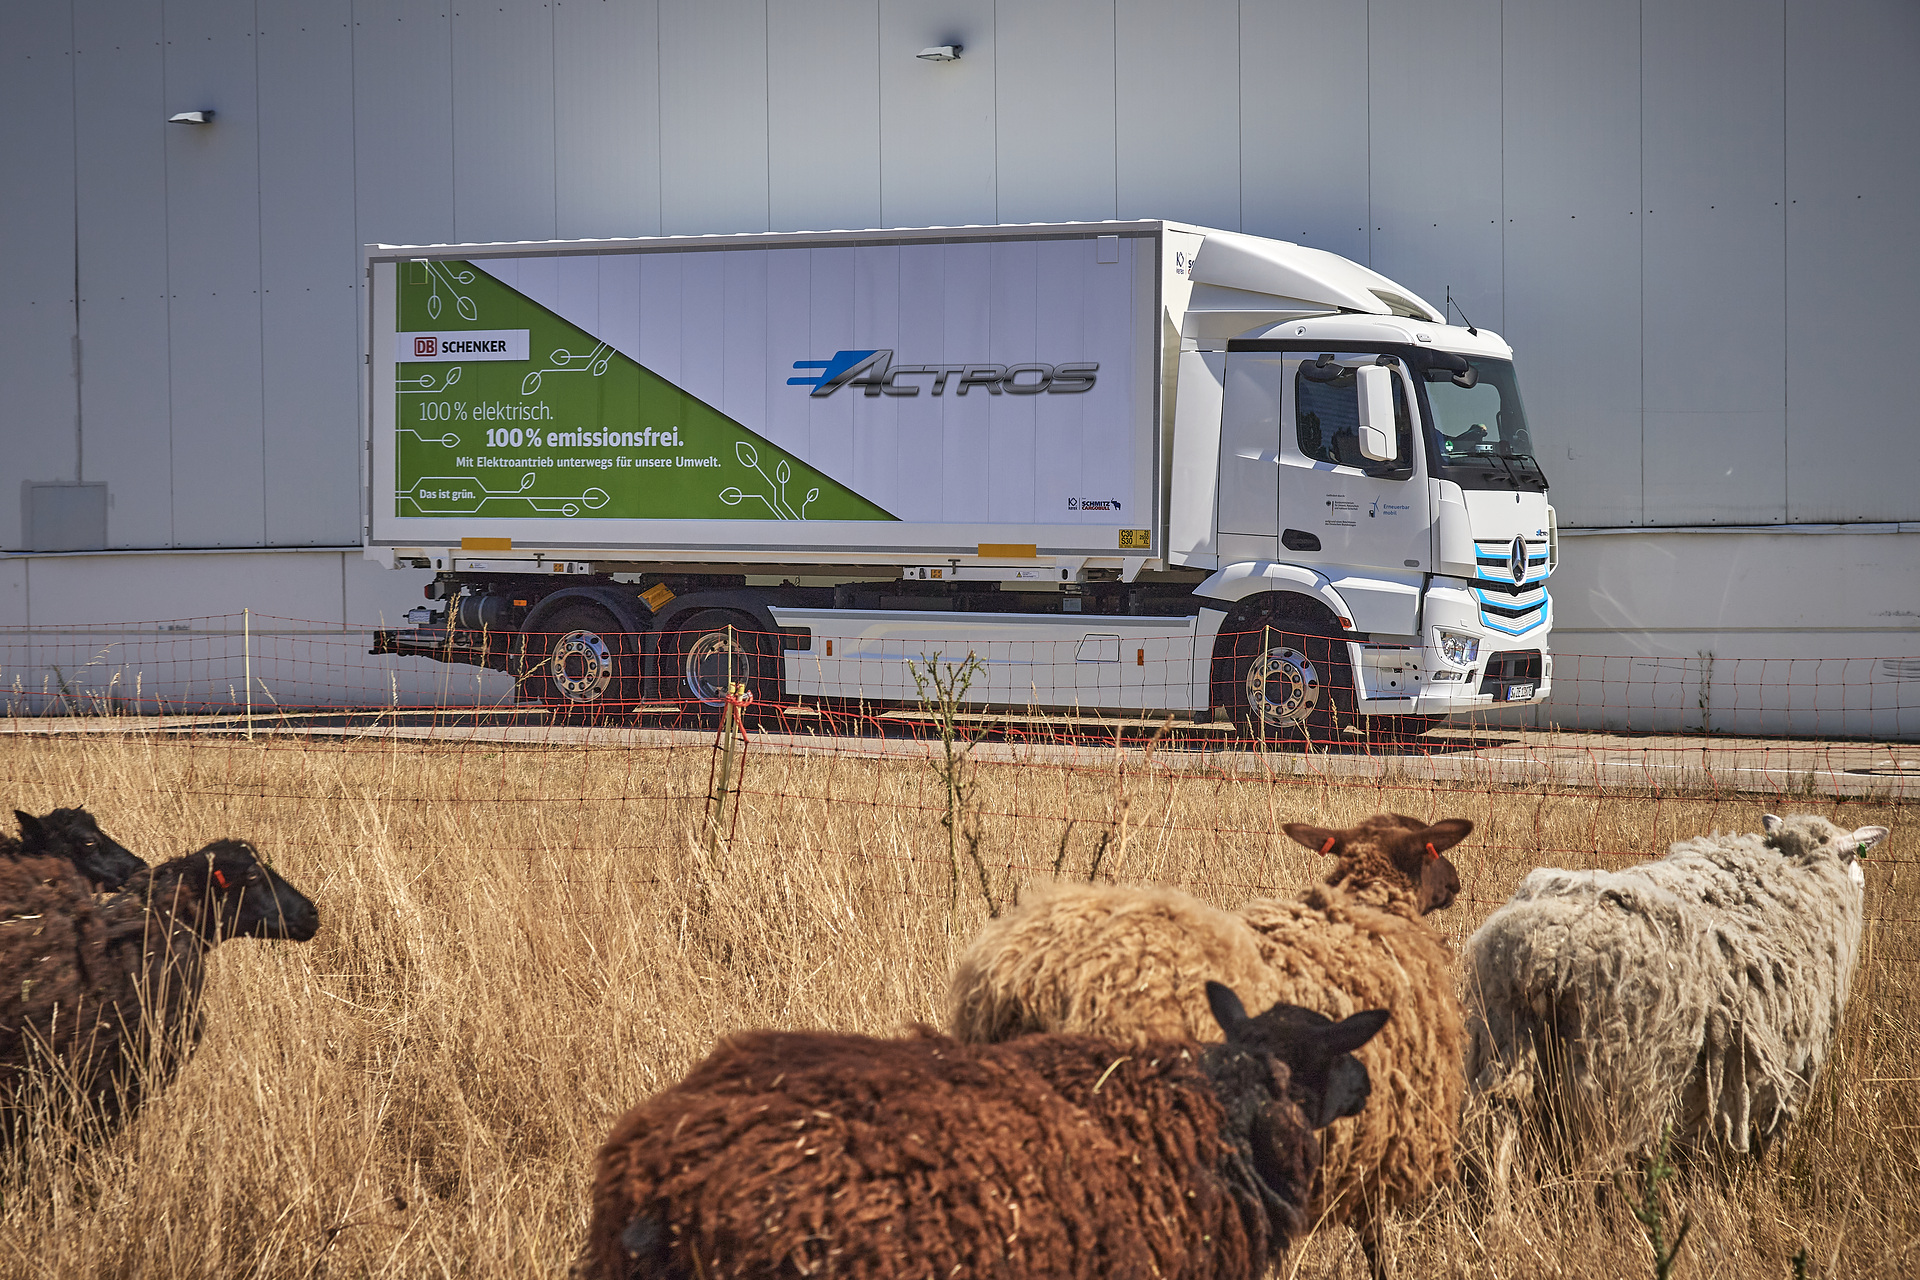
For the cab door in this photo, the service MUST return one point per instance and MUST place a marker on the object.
(1249, 458)
(1341, 513)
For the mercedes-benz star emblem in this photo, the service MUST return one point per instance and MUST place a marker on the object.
(1517, 560)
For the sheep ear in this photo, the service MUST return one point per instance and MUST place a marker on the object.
(1227, 1009)
(1864, 838)
(32, 830)
(1350, 1033)
(1318, 839)
(1772, 823)
(1442, 836)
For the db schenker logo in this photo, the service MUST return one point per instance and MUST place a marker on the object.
(876, 374)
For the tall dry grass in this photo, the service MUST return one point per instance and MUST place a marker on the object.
(517, 944)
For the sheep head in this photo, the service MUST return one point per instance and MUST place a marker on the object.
(1809, 837)
(1393, 849)
(73, 834)
(1279, 1077)
(1325, 1079)
(246, 897)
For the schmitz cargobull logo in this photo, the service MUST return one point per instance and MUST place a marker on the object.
(875, 372)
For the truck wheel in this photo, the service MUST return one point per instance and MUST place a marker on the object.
(708, 649)
(582, 663)
(1292, 686)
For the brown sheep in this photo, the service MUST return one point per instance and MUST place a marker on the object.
(806, 1153)
(110, 990)
(1131, 963)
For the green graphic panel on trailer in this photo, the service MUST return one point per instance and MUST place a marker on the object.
(503, 409)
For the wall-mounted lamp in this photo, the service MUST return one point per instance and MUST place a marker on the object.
(191, 117)
(941, 53)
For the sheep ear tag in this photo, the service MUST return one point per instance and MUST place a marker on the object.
(1328, 846)
(1433, 854)
(219, 878)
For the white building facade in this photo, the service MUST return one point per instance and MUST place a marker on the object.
(1696, 224)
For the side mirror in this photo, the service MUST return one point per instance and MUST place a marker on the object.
(1375, 384)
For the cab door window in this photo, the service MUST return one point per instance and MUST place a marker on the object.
(1327, 420)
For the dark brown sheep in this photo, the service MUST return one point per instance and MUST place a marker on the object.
(72, 835)
(805, 1153)
(110, 990)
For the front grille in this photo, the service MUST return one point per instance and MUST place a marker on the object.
(1508, 607)
(1512, 614)
(1490, 570)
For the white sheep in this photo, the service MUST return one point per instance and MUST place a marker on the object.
(1701, 989)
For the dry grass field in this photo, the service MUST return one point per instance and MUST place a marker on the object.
(517, 944)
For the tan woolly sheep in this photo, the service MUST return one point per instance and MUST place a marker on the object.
(1132, 964)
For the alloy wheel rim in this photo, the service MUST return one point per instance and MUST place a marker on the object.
(582, 666)
(1283, 686)
(707, 665)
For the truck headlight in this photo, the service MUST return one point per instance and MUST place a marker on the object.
(1459, 649)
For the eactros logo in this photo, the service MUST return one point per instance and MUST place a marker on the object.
(877, 374)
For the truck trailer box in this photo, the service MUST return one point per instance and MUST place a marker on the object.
(893, 398)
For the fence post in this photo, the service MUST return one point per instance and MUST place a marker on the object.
(246, 651)
(728, 743)
(1266, 648)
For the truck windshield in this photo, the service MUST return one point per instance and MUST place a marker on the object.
(1477, 436)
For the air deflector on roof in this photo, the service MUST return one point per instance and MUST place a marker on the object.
(1294, 271)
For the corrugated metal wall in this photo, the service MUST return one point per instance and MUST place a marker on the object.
(1694, 221)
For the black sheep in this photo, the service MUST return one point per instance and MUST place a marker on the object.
(71, 834)
(110, 990)
(1046, 1156)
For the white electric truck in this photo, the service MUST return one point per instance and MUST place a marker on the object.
(1129, 467)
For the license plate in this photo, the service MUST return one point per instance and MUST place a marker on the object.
(1519, 692)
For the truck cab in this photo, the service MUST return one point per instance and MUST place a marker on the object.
(1438, 550)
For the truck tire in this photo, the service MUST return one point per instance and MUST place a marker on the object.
(1292, 686)
(581, 663)
(705, 649)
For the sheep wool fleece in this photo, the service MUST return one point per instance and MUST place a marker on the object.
(1132, 964)
(1708, 984)
(47, 922)
(114, 985)
(1059, 1156)
(1587, 995)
